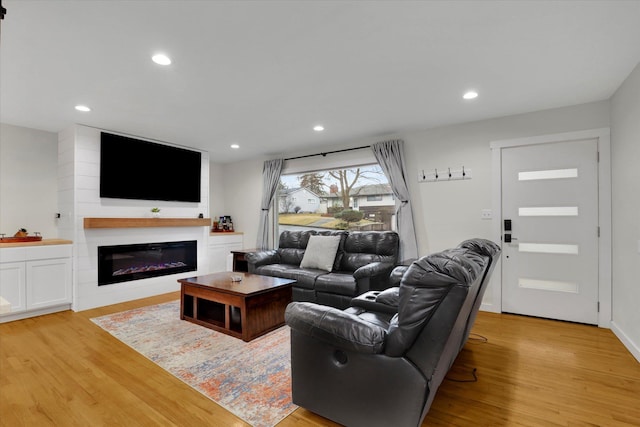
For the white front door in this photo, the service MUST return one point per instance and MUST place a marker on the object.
(550, 198)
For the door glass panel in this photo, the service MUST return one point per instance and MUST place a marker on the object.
(548, 285)
(549, 211)
(548, 248)
(548, 174)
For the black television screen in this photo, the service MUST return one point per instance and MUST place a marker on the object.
(136, 169)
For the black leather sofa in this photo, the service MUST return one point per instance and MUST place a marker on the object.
(381, 361)
(363, 262)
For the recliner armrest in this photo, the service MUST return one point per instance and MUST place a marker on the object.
(378, 301)
(335, 327)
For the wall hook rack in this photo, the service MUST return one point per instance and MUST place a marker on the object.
(451, 175)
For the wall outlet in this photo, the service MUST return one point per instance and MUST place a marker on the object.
(486, 214)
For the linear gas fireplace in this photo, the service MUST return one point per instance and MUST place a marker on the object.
(123, 263)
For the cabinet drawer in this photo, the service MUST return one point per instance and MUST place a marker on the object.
(46, 252)
(12, 254)
(225, 239)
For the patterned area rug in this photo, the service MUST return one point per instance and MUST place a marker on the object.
(252, 380)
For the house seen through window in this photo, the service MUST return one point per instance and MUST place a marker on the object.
(357, 198)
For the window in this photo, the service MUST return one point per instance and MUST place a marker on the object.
(338, 190)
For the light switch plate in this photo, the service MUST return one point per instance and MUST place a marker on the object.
(486, 214)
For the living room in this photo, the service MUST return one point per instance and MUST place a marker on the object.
(444, 213)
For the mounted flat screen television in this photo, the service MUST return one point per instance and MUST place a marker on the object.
(136, 169)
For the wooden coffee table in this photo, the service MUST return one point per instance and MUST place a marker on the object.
(245, 309)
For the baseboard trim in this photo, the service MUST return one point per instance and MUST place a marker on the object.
(633, 348)
(489, 307)
(10, 317)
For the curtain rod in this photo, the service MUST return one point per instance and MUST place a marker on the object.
(329, 152)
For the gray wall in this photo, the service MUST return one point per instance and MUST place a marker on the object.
(625, 162)
(28, 180)
(445, 213)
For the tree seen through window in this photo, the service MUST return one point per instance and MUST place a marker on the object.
(355, 198)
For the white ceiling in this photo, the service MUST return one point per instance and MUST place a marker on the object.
(262, 73)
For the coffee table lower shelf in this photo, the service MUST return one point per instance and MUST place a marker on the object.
(244, 316)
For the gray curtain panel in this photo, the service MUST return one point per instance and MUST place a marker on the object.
(270, 178)
(390, 156)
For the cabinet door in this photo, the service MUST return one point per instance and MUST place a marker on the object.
(220, 248)
(48, 282)
(12, 276)
(218, 258)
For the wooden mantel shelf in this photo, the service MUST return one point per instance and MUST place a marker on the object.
(145, 222)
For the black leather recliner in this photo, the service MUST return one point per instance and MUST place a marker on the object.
(381, 361)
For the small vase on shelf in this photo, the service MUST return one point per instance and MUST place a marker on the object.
(155, 212)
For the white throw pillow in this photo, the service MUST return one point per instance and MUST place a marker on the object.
(321, 252)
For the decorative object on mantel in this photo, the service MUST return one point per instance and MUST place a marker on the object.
(22, 235)
(225, 224)
(155, 212)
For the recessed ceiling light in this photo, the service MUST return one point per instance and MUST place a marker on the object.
(318, 128)
(161, 59)
(83, 108)
(470, 95)
(235, 146)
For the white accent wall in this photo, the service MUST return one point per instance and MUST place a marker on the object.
(78, 196)
(625, 159)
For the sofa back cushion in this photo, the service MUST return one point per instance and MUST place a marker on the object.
(292, 245)
(424, 287)
(365, 247)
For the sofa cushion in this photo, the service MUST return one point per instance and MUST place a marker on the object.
(337, 283)
(304, 277)
(362, 248)
(321, 252)
(276, 270)
(292, 244)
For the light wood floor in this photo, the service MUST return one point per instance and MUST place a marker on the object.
(62, 370)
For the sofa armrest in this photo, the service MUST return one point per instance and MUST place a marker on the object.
(373, 276)
(335, 327)
(373, 269)
(256, 259)
(396, 275)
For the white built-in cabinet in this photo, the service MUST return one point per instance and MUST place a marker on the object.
(35, 280)
(220, 247)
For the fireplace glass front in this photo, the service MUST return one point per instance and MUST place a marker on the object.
(123, 263)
